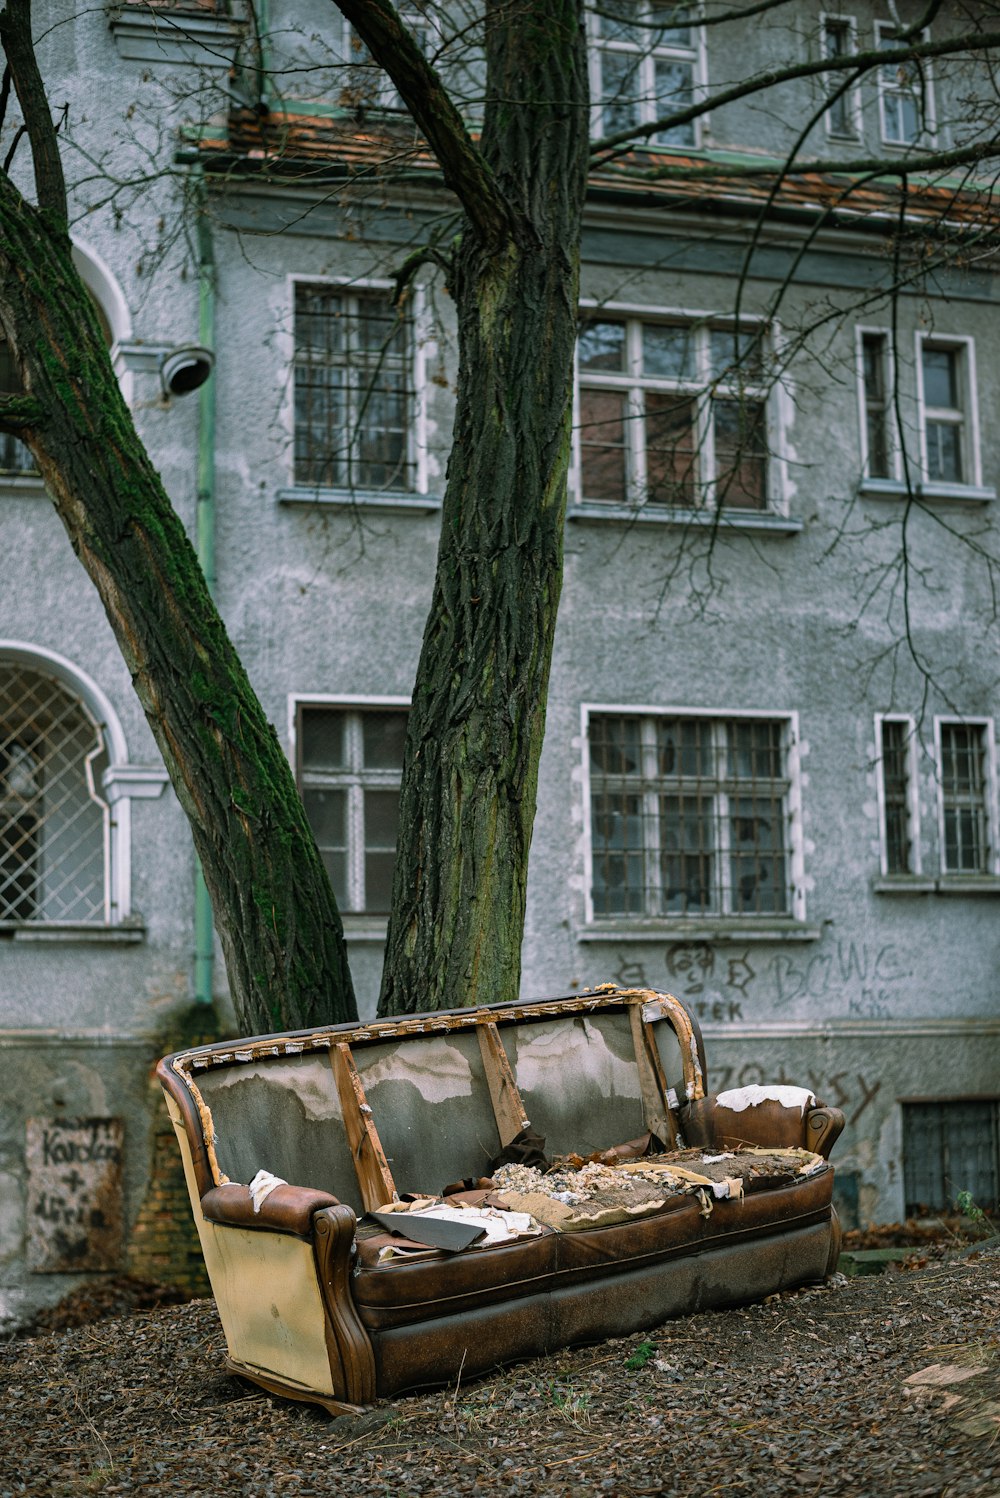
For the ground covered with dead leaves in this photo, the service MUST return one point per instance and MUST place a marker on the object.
(885, 1385)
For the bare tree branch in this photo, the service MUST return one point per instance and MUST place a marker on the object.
(972, 41)
(15, 35)
(465, 169)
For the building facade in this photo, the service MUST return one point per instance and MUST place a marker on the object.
(769, 777)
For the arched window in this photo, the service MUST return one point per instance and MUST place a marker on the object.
(53, 820)
(16, 460)
(66, 792)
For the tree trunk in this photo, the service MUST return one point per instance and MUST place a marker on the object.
(274, 908)
(470, 767)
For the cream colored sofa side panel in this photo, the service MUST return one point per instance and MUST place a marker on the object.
(266, 1291)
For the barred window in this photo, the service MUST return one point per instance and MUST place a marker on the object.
(896, 744)
(966, 798)
(644, 66)
(689, 815)
(53, 824)
(352, 390)
(350, 765)
(671, 414)
(876, 388)
(951, 1147)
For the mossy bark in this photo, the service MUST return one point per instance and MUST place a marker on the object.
(274, 909)
(476, 726)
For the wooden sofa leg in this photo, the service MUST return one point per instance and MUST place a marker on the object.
(352, 1362)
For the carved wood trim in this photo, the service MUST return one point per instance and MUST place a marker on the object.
(352, 1361)
(508, 1107)
(370, 1164)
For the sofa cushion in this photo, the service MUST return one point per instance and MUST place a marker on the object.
(407, 1290)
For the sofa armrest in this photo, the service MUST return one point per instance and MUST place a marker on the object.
(824, 1127)
(286, 1209)
(772, 1121)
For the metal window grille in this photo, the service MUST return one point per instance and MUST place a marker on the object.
(964, 805)
(672, 414)
(689, 816)
(944, 417)
(874, 359)
(53, 825)
(352, 390)
(951, 1147)
(644, 62)
(895, 756)
(349, 767)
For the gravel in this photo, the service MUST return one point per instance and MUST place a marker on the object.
(805, 1394)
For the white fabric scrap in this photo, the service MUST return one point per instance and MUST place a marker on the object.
(262, 1185)
(500, 1226)
(740, 1098)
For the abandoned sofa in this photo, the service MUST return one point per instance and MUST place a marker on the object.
(670, 1200)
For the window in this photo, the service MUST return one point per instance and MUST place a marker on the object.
(948, 1148)
(644, 61)
(965, 768)
(896, 749)
(943, 382)
(876, 400)
(15, 456)
(352, 390)
(54, 827)
(905, 93)
(367, 84)
(350, 764)
(839, 39)
(671, 413)
(690, 816)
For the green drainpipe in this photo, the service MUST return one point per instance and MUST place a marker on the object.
(204, 942)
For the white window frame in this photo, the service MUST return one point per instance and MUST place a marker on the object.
(121, 783)
(912, 796)
(355, 782)
(967, 414)
(695, 55)
(794, 848)
(986, 728)
(422, 351)
(894, 476)
(852, 98)
(384, 95)
(701, 387)
(928, 132)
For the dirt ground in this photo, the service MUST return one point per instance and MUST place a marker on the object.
(878, 1386)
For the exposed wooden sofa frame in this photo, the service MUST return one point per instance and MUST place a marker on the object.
(353, 1115)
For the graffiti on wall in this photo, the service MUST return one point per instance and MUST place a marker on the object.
(75, 1217)
(725, 986)
(851, 1091)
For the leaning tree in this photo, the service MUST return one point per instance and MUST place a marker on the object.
(476, 725)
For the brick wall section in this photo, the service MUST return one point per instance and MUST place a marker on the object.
(163, 1245)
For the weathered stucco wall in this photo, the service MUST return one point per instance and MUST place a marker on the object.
(879, 997)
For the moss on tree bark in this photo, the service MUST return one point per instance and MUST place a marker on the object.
(475, 730)
(274, 909)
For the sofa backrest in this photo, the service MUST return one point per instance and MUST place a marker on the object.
(438, 1094)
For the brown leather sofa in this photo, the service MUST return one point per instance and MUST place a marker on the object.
(319, 1303)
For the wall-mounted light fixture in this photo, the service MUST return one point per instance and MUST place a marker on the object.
(184, 368)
